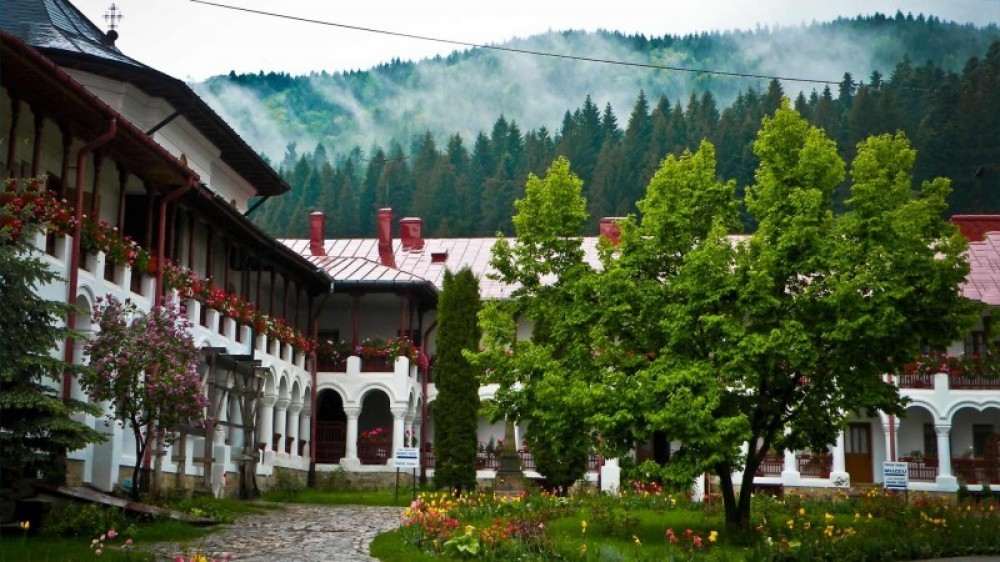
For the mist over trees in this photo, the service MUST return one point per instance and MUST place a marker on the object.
(463, 184)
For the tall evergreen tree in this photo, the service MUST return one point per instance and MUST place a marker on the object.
(36, 427)
(456, 409)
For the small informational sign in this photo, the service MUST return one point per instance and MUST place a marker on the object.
(895, 475)
(407, 457)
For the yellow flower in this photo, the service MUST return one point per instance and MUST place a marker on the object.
(806, 525)
(713, 536)
(828, 531)
(790, 523)
(802, 512)
(25, 525)
(583, 549)
(636, 540)
(869, 515)
(583, 524)
(828, 518)
(857, 516)
(469, 529)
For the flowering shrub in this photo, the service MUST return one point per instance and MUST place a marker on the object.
(986, 365)
(377, 436)
(191, 286)
(27, 202)
(334, 351)
(395, 347)
(146, 366)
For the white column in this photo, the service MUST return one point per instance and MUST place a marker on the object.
(838, 472)
(398, 423)
(790, 472)
(293, 427)
(888, 431)
(305, 428)
(280, 413)
(265, 434)
(351, 451)
(408, 427)
(945, 480)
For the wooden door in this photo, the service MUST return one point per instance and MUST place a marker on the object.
(858, 452)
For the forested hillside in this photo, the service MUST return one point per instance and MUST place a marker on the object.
(434, 160)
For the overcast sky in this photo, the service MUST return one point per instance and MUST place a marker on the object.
(192, 41)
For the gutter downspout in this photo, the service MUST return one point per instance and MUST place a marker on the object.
(423, 405)
(74, 259)
(161, 239)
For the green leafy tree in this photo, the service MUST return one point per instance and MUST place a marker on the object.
(456, 409)
(541, 378)
(36, 426)
(146, 366)
(772, 339)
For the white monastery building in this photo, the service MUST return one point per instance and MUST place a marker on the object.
(137, 149)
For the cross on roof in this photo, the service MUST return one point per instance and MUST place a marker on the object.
(113, 16)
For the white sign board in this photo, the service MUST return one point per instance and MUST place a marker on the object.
(895, 475)
(407, 457)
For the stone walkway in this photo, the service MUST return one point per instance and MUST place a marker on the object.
(297, 533)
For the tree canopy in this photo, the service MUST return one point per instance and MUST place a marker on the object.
(772, 338)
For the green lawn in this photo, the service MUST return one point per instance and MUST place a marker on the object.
(348, 497)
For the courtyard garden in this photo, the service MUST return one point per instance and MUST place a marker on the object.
(646, 523)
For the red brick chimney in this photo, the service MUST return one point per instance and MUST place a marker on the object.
(411, 231)
(385, 238)
(317, 233)
(611, 230)
(974, 226)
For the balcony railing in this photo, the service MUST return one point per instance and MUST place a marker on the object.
(772, 465)
(814, 466)
(976, 470)
(915, 380)
(972, 382)
(374, 453)
(921, 470)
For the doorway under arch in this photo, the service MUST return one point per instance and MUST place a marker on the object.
(331, 427)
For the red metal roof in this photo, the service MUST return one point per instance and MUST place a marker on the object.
(983, 282)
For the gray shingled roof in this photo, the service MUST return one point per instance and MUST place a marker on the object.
(57, 24)
(63, 34)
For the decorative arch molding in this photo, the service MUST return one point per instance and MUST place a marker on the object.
(86, 292)
(972, 404)
(366, 389)
(927, 406)
(328, 385)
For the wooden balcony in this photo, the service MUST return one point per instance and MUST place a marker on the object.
(772, 465)
(921, 470)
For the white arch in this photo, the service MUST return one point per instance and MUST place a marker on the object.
(87, 292)
(335, 388)
(978, 406)
(283, 385)
(295, 395)
(930, 407)
(269, 381)
(376, 386)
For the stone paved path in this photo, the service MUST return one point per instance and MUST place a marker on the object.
(297, 533)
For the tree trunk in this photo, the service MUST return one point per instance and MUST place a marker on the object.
(738, 507)
(140, 449)
(157, 465)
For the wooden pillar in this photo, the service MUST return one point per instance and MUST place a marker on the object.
(122, 180)
(284, 296)
(15, 116)
(36, 153)
(192, 228)
(95, 210)
(225, 267)
(67, 146)
(209, 250)
(151, 199)
(270, 299)
(355, 306)
(298, 306)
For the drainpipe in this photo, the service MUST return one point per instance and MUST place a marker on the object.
(74, 259)
(423, 405)
(161, 240)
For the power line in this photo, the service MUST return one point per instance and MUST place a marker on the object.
(521, 51)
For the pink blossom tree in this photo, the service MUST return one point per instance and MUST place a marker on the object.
(146, 366)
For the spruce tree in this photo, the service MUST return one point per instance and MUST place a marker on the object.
(456, 409)
(35, 424)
